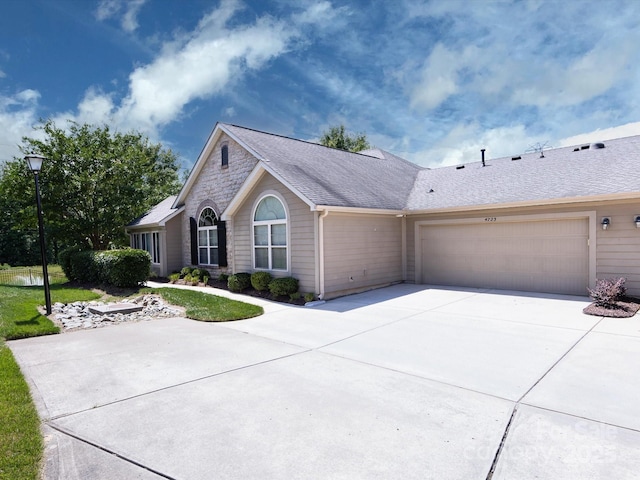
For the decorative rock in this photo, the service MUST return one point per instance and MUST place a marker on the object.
(78, 315)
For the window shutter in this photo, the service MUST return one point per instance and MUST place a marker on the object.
(194, 240)
(222, 244)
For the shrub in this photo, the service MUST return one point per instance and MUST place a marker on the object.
(205, 279)
(239, 282)
(185, 271)
(85, 267)
(223, 277)
(309, 297)
(174, 277)
(260, 280)
(196, 273)
(187, 278)
(608, 291)
(283, 286)
(64, 260)
(125, 268)
(295, 296)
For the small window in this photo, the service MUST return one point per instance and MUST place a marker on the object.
(225, 155)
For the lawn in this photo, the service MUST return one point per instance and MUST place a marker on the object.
(206, 307)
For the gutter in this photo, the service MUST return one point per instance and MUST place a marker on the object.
(321, 218)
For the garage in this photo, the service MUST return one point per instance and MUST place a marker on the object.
(537, 255)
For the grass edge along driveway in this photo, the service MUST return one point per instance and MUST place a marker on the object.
(21, 444)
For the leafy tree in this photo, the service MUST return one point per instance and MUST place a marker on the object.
(93, 182)
(336, 137)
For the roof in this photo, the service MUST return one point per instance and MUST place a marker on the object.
(376, 179)
(331, 177)
(564, 174)
(159, 214)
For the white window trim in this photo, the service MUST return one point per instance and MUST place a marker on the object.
(286, 222)
(138, 241)
(208, 247)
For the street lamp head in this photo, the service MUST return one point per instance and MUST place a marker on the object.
(34, 162)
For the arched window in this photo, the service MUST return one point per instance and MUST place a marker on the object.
(270, 234)
(208, 237)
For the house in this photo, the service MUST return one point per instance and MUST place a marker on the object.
(342, 222)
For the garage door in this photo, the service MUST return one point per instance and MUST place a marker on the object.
(537, 256)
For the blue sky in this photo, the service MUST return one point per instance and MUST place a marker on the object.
(431, 81)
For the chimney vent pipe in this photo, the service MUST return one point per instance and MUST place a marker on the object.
(483, 164)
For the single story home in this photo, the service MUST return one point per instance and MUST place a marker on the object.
(340, 222)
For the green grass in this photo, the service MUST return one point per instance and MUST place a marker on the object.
(19, 317)
(207, 307)
(20, 438)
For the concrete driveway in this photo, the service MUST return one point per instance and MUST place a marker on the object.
(402, 382)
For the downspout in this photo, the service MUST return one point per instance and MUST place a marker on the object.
(321, 252)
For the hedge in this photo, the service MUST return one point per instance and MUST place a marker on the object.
(121, 268)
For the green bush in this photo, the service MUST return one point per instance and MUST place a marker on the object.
(173, 277)
(309, 297)
(185, 271)
(295, 296)
(260, 280)
(223, 277)
(239, 282)
(205, 279)
(85, 267)
(125, 268)
(196, 273)
(283, 286)
(64, 260)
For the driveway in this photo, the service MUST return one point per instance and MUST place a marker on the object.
(402, 382)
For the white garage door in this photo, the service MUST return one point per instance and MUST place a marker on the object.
(537, 256)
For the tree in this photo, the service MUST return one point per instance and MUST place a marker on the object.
(336, 137)
(94, 182)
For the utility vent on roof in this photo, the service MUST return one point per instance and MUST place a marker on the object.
(584, 147)
(459, 167)
(516, 158)
(596, 146)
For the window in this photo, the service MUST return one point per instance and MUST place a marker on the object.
(208, 237)
(149, 241)
(225, 155)
(270, 234)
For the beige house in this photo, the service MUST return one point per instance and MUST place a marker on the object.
(344, 222)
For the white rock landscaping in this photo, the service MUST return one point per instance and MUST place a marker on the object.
(79, 315)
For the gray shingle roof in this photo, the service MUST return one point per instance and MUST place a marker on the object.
(562, 174)
(327, 176)
(157, 214)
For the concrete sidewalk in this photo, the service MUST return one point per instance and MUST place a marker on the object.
(402, 382)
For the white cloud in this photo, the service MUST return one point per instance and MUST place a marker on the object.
(626, 130)
(127, 10)
(18, 115)
(464, 142)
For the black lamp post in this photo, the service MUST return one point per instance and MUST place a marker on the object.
(35, 165)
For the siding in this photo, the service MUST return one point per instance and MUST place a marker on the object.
(301, 234)
(617, 248)
(173, 244)
(361, 251)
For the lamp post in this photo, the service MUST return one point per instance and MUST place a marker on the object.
(35, 165)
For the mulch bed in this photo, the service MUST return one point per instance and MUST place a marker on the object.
(624, 308)
(215, 283)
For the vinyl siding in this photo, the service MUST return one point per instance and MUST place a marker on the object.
(173, 244)
(361, 251)
(301, 234)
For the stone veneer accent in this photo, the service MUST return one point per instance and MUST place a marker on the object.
(218, 185)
